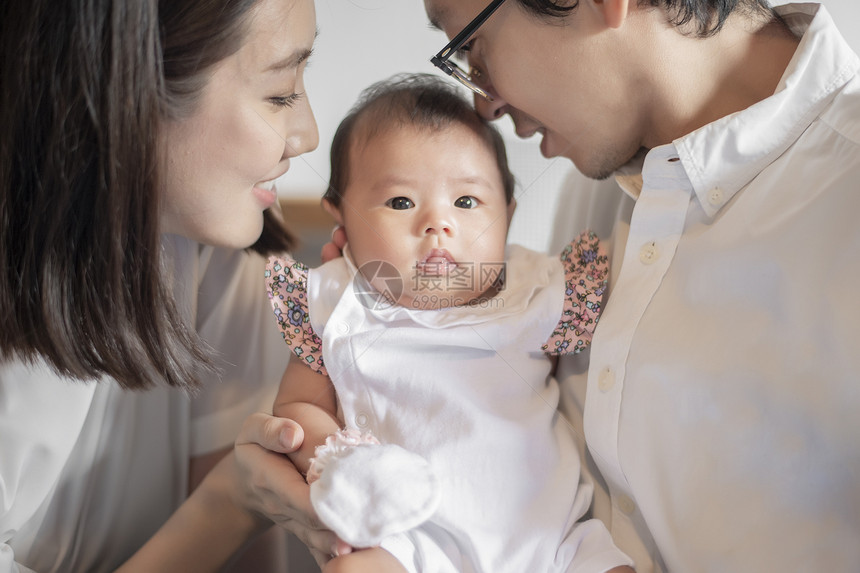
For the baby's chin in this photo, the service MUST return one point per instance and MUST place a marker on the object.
(441, 299)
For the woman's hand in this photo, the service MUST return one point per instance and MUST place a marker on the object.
(251, 487)
(334, 248)
(271, 487)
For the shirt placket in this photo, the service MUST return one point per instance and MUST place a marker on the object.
(655, 230)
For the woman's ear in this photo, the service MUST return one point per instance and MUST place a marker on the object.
(512, 206)
(614, 11)
(333, 211)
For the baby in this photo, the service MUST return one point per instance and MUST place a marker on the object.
(430, 343)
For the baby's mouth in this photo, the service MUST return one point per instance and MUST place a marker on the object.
(438, 262)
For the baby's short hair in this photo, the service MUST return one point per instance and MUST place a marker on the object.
(415, 100)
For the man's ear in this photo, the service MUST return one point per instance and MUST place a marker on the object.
(614, 11)
(333, 211)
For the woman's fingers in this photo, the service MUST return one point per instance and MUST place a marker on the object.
(320, 542)
(272, 433)
(273, 487)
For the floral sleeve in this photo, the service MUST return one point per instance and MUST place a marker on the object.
(287, 285)
(586, 272)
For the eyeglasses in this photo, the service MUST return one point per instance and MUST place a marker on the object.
(442, 59)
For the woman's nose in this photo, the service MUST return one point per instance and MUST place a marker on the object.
(303, 135)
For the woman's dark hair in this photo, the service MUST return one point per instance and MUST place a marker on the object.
(419, 100)
(86, 87)
(708, 15)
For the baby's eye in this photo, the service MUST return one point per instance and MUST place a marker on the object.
(400, 203)
(466, 202)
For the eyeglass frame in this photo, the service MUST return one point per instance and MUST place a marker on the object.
(442, 59)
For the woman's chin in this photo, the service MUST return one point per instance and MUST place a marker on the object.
(229, 236)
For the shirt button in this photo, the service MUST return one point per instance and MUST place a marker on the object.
(715, 196)
(626, 504)
(361, 420)
(342, 327)
(649, 253)
(606, 379)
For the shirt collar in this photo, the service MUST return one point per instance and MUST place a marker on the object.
(722, 157)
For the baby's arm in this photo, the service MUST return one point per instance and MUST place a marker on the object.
(308, 398)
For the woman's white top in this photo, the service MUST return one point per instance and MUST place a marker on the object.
(88, 471)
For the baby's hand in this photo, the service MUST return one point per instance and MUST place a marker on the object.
(334, 248)
(365, 491)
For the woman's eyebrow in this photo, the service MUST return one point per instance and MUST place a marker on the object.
(294, 59)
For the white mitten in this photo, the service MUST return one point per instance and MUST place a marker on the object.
(365, 491)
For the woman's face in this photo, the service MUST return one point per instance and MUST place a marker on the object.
(251, 118)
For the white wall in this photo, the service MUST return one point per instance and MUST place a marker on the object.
(362, 41)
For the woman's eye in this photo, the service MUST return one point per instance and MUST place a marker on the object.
(286, 101)
(400, 203)
(466, 202)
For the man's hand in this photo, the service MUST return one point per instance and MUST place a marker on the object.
(334, 248)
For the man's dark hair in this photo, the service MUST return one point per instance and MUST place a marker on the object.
(707, 15)
(419, 100)
(87, 85)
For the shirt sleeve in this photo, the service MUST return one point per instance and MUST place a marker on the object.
(586, 267)
(7, 561)
(287, 287)
(41, 416)
(233, 317)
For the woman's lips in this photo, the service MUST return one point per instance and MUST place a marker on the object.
(266, 193)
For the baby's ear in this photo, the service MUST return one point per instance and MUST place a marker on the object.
(333, 211)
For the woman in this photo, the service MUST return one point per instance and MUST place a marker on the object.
(137, 155)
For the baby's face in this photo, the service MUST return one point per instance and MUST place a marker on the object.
(432, 204)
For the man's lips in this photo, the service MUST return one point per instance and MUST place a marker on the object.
(436, 262)
(545, 149)
(526, 134)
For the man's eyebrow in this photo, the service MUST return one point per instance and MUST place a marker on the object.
(294, 59)
(435, 19)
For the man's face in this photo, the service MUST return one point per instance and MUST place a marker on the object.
(560, 78)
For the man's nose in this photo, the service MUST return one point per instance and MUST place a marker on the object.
(490, 110)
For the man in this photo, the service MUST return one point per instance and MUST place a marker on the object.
(722, 390)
